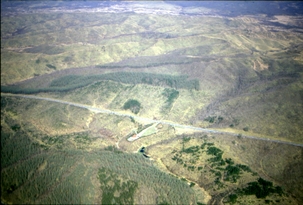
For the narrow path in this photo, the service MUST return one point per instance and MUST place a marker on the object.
(99, 110)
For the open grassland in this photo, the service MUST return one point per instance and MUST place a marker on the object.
(238, 74)
(233, 68)
(270, 106)
(160, 101)
(45, 116)
(42, 43)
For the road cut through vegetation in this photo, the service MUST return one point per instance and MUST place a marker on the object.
(99, 110)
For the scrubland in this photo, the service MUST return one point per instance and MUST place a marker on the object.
(235, 74)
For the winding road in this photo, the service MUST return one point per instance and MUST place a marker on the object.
(98, 110)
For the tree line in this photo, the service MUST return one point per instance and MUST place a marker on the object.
(71, 82)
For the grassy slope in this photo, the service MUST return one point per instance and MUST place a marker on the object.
(46, 164)
(274, 113)
(243, 69)
(85, 39)
(269, 165)
(106, 130)
(237, 61)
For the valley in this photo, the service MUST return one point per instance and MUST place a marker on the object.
(213, 96)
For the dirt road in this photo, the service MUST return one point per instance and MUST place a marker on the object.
(99, 110)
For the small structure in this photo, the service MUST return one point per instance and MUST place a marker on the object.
(133, 137)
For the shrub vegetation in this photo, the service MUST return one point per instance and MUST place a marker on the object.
(71, 82)
(132, 105)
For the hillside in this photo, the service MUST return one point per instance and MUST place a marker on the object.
(216, 98)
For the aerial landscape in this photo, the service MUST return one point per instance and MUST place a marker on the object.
(152, 102)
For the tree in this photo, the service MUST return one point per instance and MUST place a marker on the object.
(132, 105)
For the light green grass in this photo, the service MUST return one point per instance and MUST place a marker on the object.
(148, 131)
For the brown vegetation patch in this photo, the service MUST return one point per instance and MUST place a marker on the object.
(106, 132)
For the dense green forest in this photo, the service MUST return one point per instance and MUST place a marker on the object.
(35, 173)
